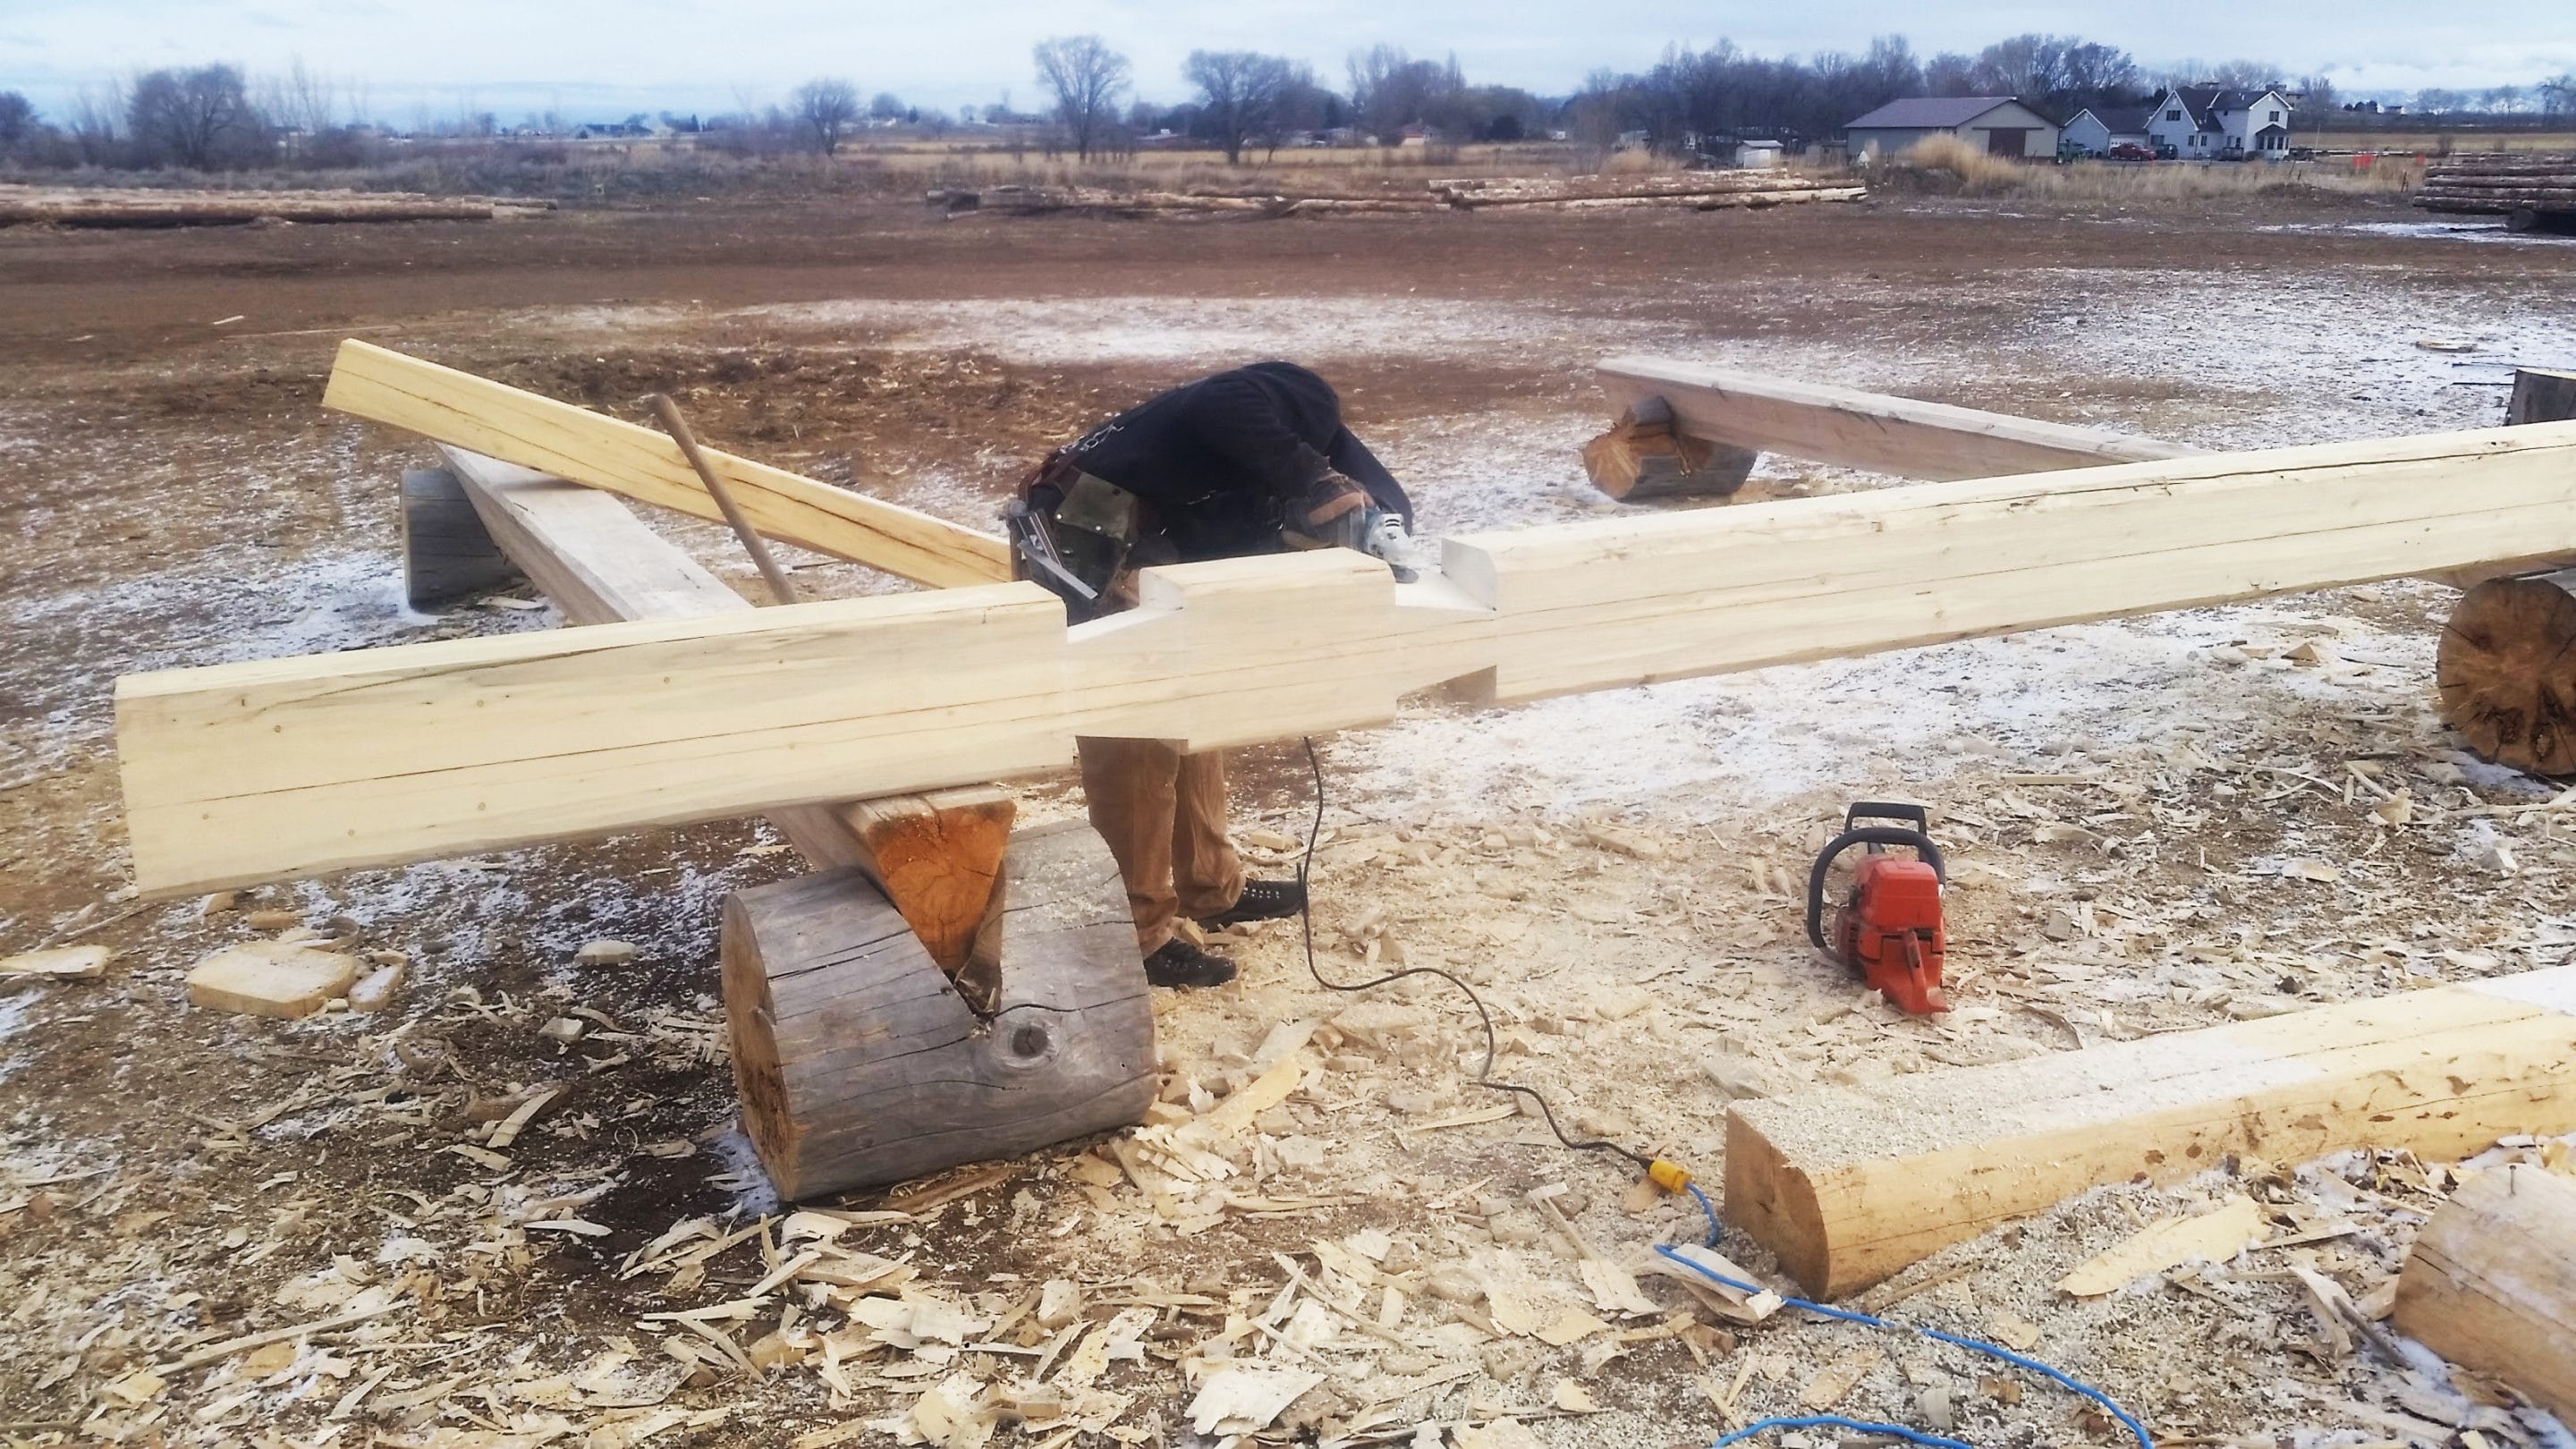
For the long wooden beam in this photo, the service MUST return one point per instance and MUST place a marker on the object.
(1853, 429)
(558, 439)
(936, 856)
(1850, 1184)
(289, 767)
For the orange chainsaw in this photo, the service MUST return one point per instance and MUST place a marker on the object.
(1889, 925)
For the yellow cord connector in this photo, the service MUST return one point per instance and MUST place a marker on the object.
(1670, 1176)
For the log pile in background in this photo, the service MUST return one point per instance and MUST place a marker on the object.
(142, 208)
(1696, 191)
(1704, 191)
(2532, 190)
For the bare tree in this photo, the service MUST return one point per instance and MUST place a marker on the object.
(2558, 93)
(886, 106)
(1241, 93)
(824, 108)
(195, 118)
(17, 120)
(1087, 78)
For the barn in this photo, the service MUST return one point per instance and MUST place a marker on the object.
(2000, 125)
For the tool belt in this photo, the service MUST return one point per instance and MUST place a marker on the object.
(1080, 536)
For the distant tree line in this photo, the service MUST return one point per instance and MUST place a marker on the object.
(216, 118)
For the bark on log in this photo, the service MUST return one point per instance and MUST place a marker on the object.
(2505, 672)
(1643, 456)
(447, 552)
(2491, 1283)
(860, 1064)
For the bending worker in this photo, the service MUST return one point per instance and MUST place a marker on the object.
(1250, 461)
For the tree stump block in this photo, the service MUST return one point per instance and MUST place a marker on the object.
(1646, 455)
(447, 552)
(859, 1061)
(2505, 673)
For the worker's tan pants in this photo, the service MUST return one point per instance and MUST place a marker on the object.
(1163, 814)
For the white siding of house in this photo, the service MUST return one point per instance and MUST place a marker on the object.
(2163, 131)
(2087, 133)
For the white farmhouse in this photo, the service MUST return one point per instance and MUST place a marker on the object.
(1998, 125)
(2213, 123)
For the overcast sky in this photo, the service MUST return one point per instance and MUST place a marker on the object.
(608, 57)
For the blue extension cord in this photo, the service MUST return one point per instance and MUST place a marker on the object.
(1990, 1350)
(1837, 1421)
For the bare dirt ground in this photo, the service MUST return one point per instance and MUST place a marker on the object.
(2159, 824)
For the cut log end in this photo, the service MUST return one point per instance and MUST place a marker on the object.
(1645, 456)
(448, 554)
(2506, 673)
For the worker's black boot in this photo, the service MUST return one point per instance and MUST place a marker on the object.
(1262, 900)
(1178, 963)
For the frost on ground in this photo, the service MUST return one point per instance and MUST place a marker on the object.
(2155, 825)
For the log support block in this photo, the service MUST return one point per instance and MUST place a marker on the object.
(1848, 1185)
(447, 553)
(2491, 1283)
(2505, 672)
(860, 1063)
(1645, 456)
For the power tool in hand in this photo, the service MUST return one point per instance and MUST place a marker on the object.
(1888, 927)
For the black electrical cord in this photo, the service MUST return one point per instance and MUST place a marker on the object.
(1485, 1074)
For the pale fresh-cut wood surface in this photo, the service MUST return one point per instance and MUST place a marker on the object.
(559, 439)
(420, 750)
(1850, 1184)
(1822, 423)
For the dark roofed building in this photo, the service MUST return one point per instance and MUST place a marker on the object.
(2094, 130)
(2000, 125)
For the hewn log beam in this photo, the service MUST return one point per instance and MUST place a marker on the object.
(937, 857)
(1853, 429)
(1848, 1185)
(574, 443)
(247, 772)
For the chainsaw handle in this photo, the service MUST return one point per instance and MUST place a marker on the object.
(1917, 815)
(1870, 835)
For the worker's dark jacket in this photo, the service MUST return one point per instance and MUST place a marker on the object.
(1222, 459)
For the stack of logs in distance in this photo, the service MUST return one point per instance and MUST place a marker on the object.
(1696, 191)
(2531, 190)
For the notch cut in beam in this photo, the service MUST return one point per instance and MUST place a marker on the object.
(1853, 429)
(558, 439)
(1848, 1185)
(248, 772)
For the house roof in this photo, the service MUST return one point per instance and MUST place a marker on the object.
(2205, 102)
(1928, 112)
(2118, 120)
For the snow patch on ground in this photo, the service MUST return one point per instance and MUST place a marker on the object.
(1918, 716)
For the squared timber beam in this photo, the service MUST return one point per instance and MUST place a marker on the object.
(246, 772)
(936, 856)
(556, 438)
(1850, 1184)
(1853, 429)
